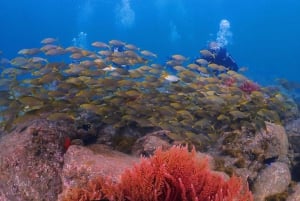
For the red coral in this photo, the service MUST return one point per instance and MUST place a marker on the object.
(67, 143)
(248, 86)
(177, 174)
(229, 81)
(172, 175)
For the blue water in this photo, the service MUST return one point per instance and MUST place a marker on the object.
(265, 33)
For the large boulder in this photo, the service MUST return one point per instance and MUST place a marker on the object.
(293, 133)
(272, 180)
(83, 164)
(248, 152)
(295, 196)
(31, 160)
(147, 144)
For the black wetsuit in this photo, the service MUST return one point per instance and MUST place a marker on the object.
(222, 57)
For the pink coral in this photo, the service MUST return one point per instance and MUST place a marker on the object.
(229, 81)
(248, 86)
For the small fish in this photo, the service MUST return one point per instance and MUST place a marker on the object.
(109, 68)
(148, 54)
(178, 57)
(131, 47)
(72, 49)
(48, 40)
(116, 43)
(55, 51)
(30, 101)
(76, 55)
(179, 68)
(202, 62)
(99, 62)
(243, 69)
(100, 44)
(59, 116)
(38, 60)
(193, 66)
(216, 67)
(48, 47)
(174, 63)
(19, 61)
(207, 54)
(238, 114)
(106, 53)
(203, 71)
(31, 51)
(130, 53)
(171, 78)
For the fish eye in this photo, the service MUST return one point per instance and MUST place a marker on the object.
(86, 127)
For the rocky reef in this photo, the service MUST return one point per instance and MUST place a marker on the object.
(35, 164)
(75, 123)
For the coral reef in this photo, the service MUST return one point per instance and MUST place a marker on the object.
(176, 174)
(129, 103)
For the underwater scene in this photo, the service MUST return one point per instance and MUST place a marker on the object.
(162, 100)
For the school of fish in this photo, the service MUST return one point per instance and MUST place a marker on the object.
(122, 85)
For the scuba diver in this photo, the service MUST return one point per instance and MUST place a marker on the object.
(217, 52)
(220, 56)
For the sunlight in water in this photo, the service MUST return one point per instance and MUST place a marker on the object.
(174, 35)
(125, 14)
(85, 14)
